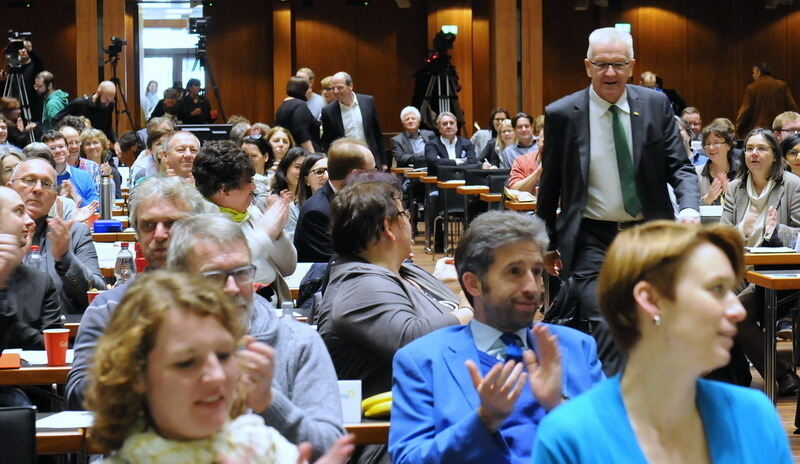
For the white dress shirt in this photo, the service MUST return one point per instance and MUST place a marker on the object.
(352, 121)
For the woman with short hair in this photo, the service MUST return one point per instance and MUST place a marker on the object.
(294, 115)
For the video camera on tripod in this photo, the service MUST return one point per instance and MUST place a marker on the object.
(16, 42)
(115, 48)
(436, 88)
(201, 27)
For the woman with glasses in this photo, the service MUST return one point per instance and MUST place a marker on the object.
(763, 203)
(313, 175)
(377, 300)
(286, 181)
(721, 166)
(484, 136)
(260, 153)
(790, 145)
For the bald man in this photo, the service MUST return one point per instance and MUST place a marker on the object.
(98, 107)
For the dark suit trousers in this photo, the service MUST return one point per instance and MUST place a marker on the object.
(591, 245)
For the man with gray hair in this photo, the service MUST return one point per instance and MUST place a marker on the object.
(611, 150)
(353, 115)
(449, 149)
(477, 392)
(303, 401)
(153, 207)
(408, 147)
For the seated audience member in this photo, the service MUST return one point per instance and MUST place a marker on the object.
(790, 146)
(762, 204)
(294, 115)
(5, 145)
(13, 237)
(149, 161)
(376, 303)
(53, 100)
(720, 168)
(477, 392)
(167, 105)
(281, 141)
(68, 252)
(73, 138)
(506, 137)
(153, 207)
(527, 169)
(786, 124)
(130, 146)
(8, 161)
(63, 207)
(71, 181)
(238, 131)
(667, 291)
(287, 177)
(223, 174)
(526, 142)
(313, 175)
(98, 108)
(260, 153)
(28, 292)
(180, 149)
(174, 375)
(408, 147)
(303, 402)
(193, 108)
(258, 128)
(94, 146)
(482, 137)
(449, 149)
(17, 133)
(691, 115)
(312, 236)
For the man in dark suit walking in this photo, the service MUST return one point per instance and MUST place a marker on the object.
(611, 150)
(352, 115)
(312, 237)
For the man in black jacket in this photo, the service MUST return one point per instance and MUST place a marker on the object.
(98, 108)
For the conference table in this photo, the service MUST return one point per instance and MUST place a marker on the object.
(76, 440)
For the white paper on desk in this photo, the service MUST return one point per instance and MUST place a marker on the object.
(350, 392)
(711, 210)
(66, 420)
(39, 357)
(769, 250)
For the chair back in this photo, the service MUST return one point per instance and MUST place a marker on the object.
(496, 183)
(18, 435)
(480, 176)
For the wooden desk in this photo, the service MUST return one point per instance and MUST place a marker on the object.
(520, 205)
(399, 170)
(68, 441)
(111, 237)
(415, 174)
(771, 281)
(491, 197)
(772, 259)
(35, 375)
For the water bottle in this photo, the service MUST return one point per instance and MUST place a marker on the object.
(35, 259)
(124, 269)
(287, 310)
(106, 196)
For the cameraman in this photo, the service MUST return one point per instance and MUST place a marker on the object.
(22, 58)
(98, 108)
(194, 108)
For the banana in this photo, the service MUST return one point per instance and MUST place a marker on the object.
(382, 409)
(375, 399)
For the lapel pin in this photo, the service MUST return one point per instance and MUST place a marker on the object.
(635, 113)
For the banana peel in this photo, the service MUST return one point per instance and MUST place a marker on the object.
(376, 406)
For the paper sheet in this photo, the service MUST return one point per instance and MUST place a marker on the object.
(66, 420)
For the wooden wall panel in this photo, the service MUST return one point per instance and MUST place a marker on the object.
(86, 46)
(532, 57)
(482, 101)
(53, 26)
(282, 65)
(503, 55)
(381, 53)
(240, 53)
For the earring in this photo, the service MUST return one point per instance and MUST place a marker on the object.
(656, 320)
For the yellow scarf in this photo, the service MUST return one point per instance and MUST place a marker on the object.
(236, 216)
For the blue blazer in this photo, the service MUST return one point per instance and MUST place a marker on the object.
(741, 427)
(434, 409)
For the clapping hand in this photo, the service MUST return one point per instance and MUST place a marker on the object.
(498, 391)
(59, 237)
(257, 363)
(338, 453)
(771, 222)
(276, 214)
(11, 254)
(544, 372)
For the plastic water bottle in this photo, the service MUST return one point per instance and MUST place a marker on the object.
(287, 310)
(106, 196)
(35, 259)
(124, 269)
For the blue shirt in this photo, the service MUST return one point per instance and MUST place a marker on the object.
(83, 183)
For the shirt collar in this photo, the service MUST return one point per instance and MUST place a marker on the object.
(447, 142)
(352, 105)
(485, 335)
(622, 102)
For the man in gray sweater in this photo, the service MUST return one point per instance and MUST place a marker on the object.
(304, 403)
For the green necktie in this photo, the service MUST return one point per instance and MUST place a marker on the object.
(627, 178)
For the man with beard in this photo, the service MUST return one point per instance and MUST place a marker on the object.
(477, 392)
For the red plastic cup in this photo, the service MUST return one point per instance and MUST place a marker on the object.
(92, 294)
(56, 342)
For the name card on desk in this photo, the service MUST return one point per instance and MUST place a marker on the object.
(350, 392)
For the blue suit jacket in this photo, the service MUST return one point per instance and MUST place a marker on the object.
(434, 410)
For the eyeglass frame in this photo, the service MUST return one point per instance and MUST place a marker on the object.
(789, 131)
(30, 182)
(792, 152)
(212, 275)
(761, 150)
(618, 67)
(318, 171)
(714, 144)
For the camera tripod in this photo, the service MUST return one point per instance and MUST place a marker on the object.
(441, 91)
(120, 94)
(202, 58)
(15, 87)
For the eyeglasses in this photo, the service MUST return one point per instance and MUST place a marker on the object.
(789, 131)
(327, 88)
(713, 144)
(30, 182)
(604, 66)
(792, 153)
(760, 149)
(241, 275)
(319, 171)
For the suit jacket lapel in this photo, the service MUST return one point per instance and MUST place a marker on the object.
(775, 199)
(337, 113)
(408, 147)
(462, 347)
(637, 126)
(581, 115)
